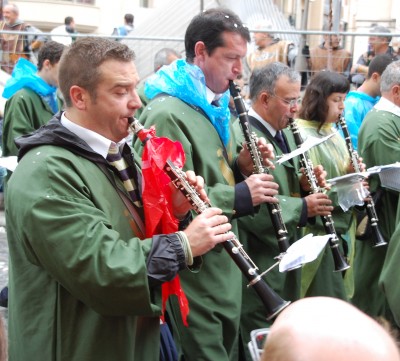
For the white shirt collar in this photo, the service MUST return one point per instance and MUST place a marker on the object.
(253, 113)
(97, 142)
(387, 105)
(211, 96)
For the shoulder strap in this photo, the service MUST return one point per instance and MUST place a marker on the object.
(138, 227)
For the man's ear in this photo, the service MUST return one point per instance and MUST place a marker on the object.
(46, 64)
(396, 91)
(200, 51)
(375, 76)
(265, 97)
(79, 97)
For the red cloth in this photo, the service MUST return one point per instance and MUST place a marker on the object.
(157, 200)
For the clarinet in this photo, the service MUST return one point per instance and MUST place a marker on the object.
(377, 237)
(273, 303)
(327, 221)
(250, 137)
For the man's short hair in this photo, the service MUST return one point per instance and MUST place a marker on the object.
(80, 63)
(129, 18)
(52, 51)
(209, 27)
(68, 20)
(162, 57)
(391, 76)
(383, 30)
(265, 78)
(378, 64)
(12, 7)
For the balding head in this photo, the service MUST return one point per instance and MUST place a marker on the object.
(317, 328)
(10, 13)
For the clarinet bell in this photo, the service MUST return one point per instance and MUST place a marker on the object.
(280, 305)
(273, 303)
(339, 260)
(377, 237)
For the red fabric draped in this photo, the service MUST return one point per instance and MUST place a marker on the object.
(157, 200)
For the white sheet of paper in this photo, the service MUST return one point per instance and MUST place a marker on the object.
(308, 144)
(303, 251)
(389, 175)
(9, 162)
(379, 168)
(349, 178)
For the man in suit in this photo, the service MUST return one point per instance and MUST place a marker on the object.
(274, 92)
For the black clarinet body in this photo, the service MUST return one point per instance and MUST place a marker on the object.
(327, 221)
(373, 220)
(273, 303)
(274, 209)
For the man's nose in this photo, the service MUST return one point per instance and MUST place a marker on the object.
(135, 102)
(238, 67)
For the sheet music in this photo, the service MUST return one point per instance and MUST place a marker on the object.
(303, 251)
(349, 178)
(308, 144)
(389, 175)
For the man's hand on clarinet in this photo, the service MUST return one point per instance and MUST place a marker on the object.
(262, 188)
(320, 175)
(318, 204)
(207, 230)
(245, 162)
(180, 204)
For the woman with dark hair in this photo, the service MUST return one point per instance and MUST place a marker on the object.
(322, 105)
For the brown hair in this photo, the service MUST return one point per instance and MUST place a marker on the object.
(323, 84)
(79, 64)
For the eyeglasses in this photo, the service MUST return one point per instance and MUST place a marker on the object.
(292, 102)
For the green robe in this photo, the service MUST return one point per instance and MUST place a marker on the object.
(143, 99)
(318, 277)
(101, 309)
(389, 278)
(257, 235)
(24, 112)
(214, 293)
(378, 141)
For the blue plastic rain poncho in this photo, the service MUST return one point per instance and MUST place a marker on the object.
(186, 82)
(25, 75)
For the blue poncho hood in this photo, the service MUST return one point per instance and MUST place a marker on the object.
(186, 82)
(25, 75)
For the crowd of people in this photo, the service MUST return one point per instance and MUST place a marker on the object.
(110, 260)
